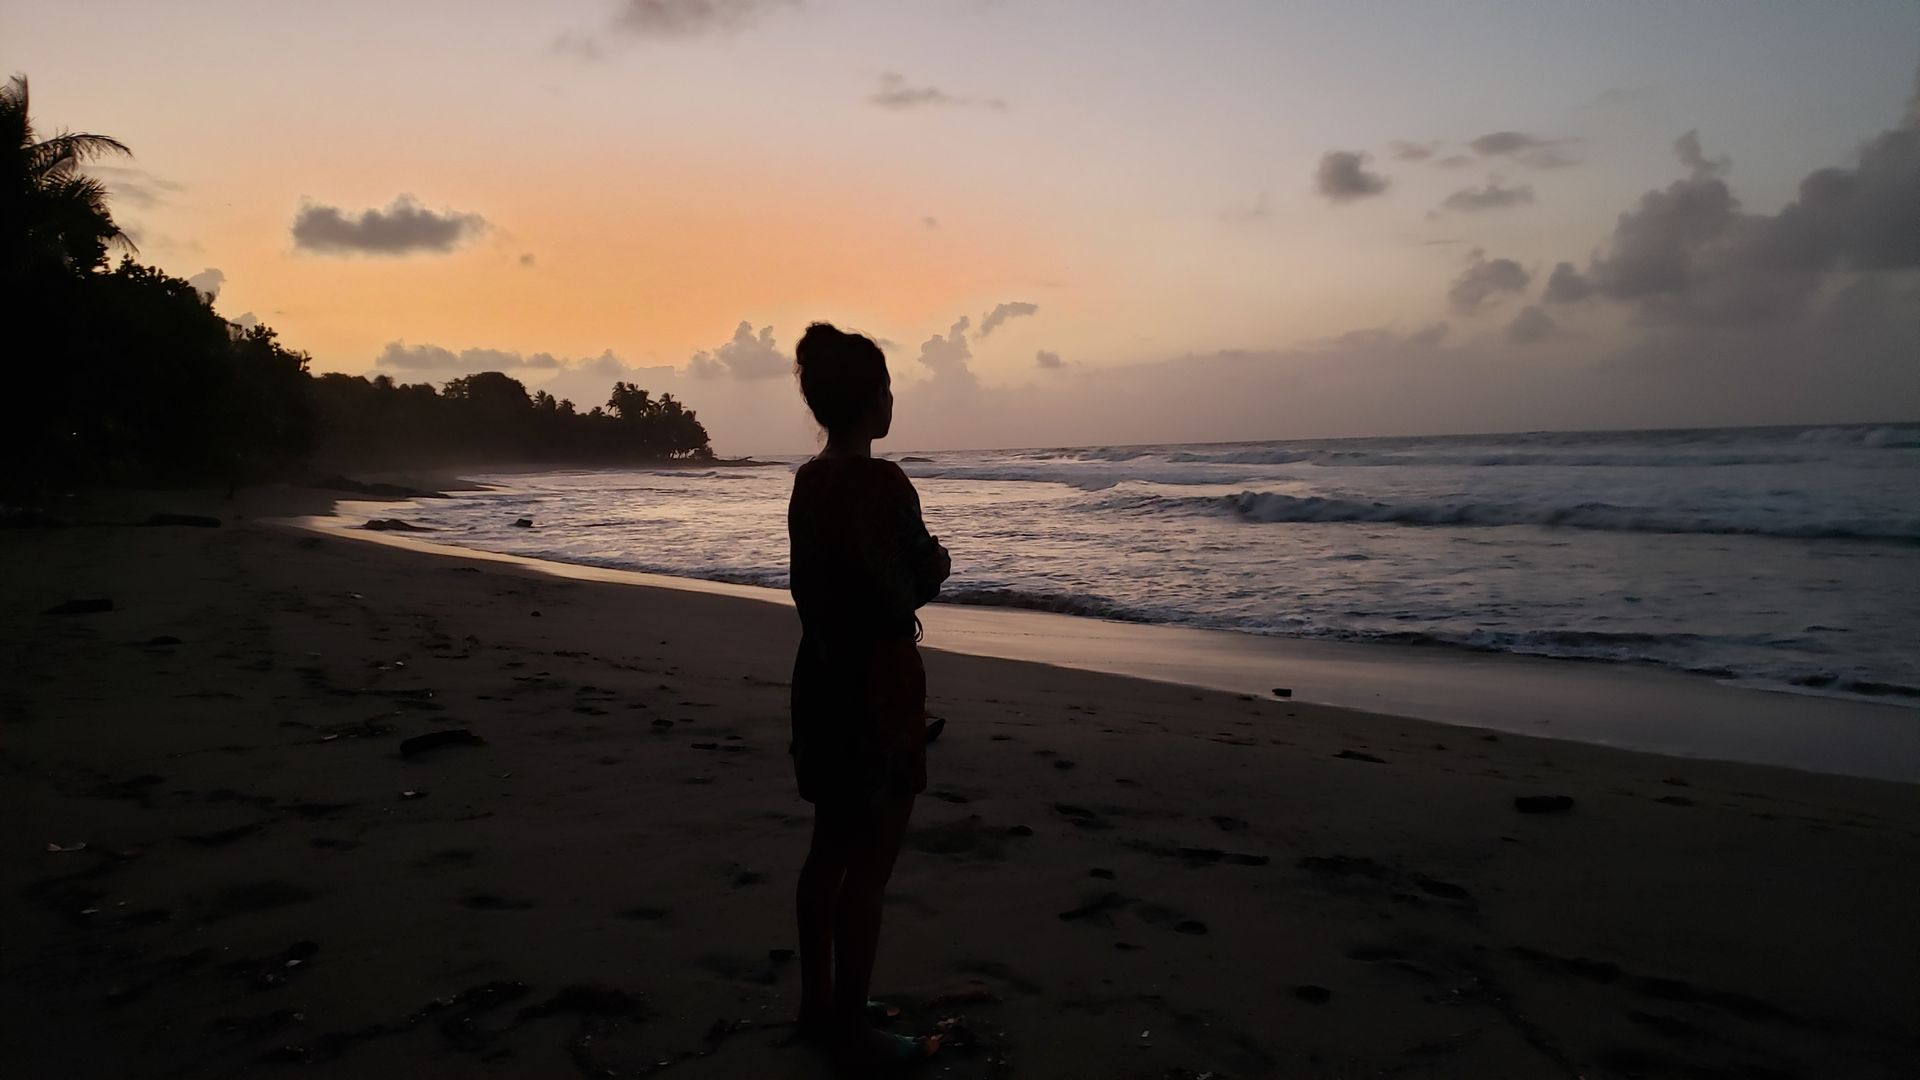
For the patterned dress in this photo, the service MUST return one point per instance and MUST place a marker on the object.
(862, 562)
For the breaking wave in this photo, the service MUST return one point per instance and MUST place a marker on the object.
(1274, 507)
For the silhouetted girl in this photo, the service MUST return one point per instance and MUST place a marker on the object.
(862, 561)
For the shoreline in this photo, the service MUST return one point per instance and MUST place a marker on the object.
(1627, 707)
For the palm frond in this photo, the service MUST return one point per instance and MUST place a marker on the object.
(57, 157)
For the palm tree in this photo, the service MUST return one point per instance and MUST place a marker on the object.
(51, 214)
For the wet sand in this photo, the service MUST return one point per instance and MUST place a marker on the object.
(1109, 878)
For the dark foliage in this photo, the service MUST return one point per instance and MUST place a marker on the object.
(490, 418)
(127, 375)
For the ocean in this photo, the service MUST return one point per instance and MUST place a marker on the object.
(1781, 558)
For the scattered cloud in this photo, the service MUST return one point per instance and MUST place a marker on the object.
(1688, 253)
(1002, 312)
(1453, 161)
(1533, 151)
(404, 228)
(207, 282)
(400, 356)
(1485, 281)
(1343, 177)
(746, 356)
(1493, 196)
(667, 20)
(136, 187)
(1402, 150)
(1429, 335)
(246, 320)
(1687, 149)
(692, 18)
(1048, 359)
(947, 356)
(1257, 210)
(895, 92)
(930, 222)
(526, 259)
(1531, 325)
(1566, 285)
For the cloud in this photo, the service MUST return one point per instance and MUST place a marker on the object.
(207, 282)
(746, 356)
(399, 356)
(1002, 312)
(526, 259)
(1485, 281)
(403, 228)
(137, 187)
(894, 92)
(1687, 149)
(1566, 285)
(1493, 196)
(947, 356)
(1402, 150)
(1048, 359)
(930, 222)
(1257, 210)
(246, 320)
(1531, 325)
(1343, 177)
(1689, 254)
(691, 18)
(1453, 161)
(1532, 151)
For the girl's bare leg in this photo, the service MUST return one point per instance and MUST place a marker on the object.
(815, 896)
(856, 915)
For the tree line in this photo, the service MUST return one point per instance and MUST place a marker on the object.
(124, 374)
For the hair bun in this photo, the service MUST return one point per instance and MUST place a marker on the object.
(820, 342)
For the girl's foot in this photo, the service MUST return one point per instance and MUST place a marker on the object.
(878, 1051)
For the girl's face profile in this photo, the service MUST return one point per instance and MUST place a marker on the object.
(883, 412)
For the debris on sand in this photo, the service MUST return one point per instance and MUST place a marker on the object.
(1361, 755)
(1543, 804)
(89, 606)
(523, 523)
(1282, 691)
(394, 525)
(420, 744)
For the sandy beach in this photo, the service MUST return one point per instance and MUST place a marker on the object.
(224, 858)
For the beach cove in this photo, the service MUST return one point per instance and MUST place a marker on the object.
(1107, 877)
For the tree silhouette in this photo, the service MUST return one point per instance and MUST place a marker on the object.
(128, 375)
(51, 215)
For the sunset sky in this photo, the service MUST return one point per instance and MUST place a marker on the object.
(1158, 221)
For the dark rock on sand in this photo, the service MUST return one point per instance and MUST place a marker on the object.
(587, 999)
(420, 744)
(89, 606)
(393, 525)
(1360, 755)
(1100, 905)
(1316, 995)
(1282, 691)
(195, 521)
(335, 482)
(523, 523)
(1543, 804)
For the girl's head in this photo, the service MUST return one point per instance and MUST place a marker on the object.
(844, 379)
